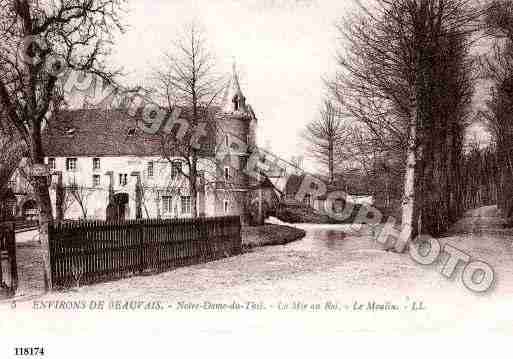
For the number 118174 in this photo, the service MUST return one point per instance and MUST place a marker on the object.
(29, 351)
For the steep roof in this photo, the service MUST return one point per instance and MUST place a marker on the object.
(96, 132)
(99, 132)
(234, 93)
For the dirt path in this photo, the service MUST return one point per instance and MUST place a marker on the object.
(481, 234)
(484, 219)
(331, 265)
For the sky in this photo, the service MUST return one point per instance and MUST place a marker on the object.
(282, 50)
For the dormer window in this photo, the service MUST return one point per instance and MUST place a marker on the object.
(236, 102)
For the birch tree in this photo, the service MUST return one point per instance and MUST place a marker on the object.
(498, 68)
(394, 75)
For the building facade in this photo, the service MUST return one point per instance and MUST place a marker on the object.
(104, 165)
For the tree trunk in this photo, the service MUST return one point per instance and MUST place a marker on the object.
(84, 210)
(330, 160)
(408, 203)
(40, 186)
(193, 178)
(59, 199)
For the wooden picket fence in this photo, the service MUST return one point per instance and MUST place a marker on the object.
(93, 251)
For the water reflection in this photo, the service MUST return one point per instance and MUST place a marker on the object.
(332, 238)
(335, 238)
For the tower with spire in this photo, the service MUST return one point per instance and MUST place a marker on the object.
(236, 124)
(234, 99)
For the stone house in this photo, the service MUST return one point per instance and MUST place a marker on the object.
(104, 166)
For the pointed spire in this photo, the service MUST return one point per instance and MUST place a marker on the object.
(235, 76)
(234, 99)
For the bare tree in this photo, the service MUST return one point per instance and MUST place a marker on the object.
(498, 68)
(327, 138)
(187, 80)
(37, 40)
(407, 77)
(12, 150)
(67, 201)
(80, 195)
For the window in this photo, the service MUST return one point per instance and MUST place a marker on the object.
(201, 178)
(167, 204)
(226, 206)
(123, 179)
(51, 163)
(162, 168)
(150, 169)
(186, 204)
(307, 199)
(176, 168)
(96, 180)
(226, 141)
(96, 163)
(72, 183)
(236, 102)
(71, 164)
(338, 205)
(243, 161)
(227, 173)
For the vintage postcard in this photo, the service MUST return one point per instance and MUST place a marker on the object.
(248, 177)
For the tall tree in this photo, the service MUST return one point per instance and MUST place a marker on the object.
(12, 150)
(397, 79)
(326, 137)
(187, 80)
(37, 40)
(498, 68)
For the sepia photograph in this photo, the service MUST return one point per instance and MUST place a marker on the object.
(288, 178)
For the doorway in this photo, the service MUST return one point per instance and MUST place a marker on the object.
(118, 207)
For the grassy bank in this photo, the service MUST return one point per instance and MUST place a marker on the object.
(269, 234)
(305, 214)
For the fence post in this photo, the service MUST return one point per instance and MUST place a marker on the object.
(2, 241)
(11, 248)
(238, 236)
(45, 248)
(139, 229)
